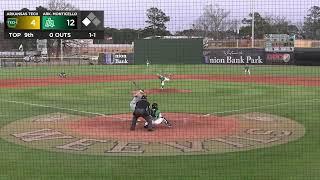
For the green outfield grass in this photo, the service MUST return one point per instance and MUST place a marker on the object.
(44, 71)
(296, 160)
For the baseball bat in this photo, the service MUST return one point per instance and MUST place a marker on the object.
(135, 85)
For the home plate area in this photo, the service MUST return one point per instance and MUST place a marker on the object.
(190, 134)
(184, 127)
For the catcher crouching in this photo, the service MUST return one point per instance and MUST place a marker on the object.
(157, 117)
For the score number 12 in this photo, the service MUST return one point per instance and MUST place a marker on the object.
(71, 22)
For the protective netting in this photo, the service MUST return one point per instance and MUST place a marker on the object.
(183, 89)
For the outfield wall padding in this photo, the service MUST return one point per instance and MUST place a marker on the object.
(168, 51)
(307, 56)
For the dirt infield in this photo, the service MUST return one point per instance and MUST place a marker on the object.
(51, 81)
(184, 127)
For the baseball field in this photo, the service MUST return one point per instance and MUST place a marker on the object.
(226, 125)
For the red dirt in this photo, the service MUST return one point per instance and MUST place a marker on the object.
(185, 127)
(51, 81)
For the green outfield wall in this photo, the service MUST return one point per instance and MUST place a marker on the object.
(168, 51)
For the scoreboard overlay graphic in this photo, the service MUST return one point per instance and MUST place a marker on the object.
(54, 24)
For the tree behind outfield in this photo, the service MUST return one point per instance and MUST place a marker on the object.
(212, 22)
(261, 26)
(312, 23)
(157, 20)
(280, 25)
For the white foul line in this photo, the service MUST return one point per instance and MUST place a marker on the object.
(53, 107)
(258, 107)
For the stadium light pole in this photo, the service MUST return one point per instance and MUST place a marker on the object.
(252, 25)
(237, 33)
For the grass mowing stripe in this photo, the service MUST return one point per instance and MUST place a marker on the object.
(258, 107)
(53, 107)
(100, 114)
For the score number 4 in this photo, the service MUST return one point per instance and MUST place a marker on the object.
(33, 22)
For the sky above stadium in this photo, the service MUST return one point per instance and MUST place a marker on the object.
(183, 13)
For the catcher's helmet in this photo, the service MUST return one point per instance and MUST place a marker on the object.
(154, 106)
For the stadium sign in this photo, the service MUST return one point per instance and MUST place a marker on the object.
(119, 58)
(279, 43)
(279, 58)
(234, 56)
(11, 54)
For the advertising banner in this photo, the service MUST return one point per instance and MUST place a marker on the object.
(119, 58)
(234, 56)
(279, 58)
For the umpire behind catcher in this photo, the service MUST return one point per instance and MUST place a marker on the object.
(142, 109)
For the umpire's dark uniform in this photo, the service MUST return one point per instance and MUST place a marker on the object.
(142, 110)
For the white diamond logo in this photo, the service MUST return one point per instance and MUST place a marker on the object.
(86, 21)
